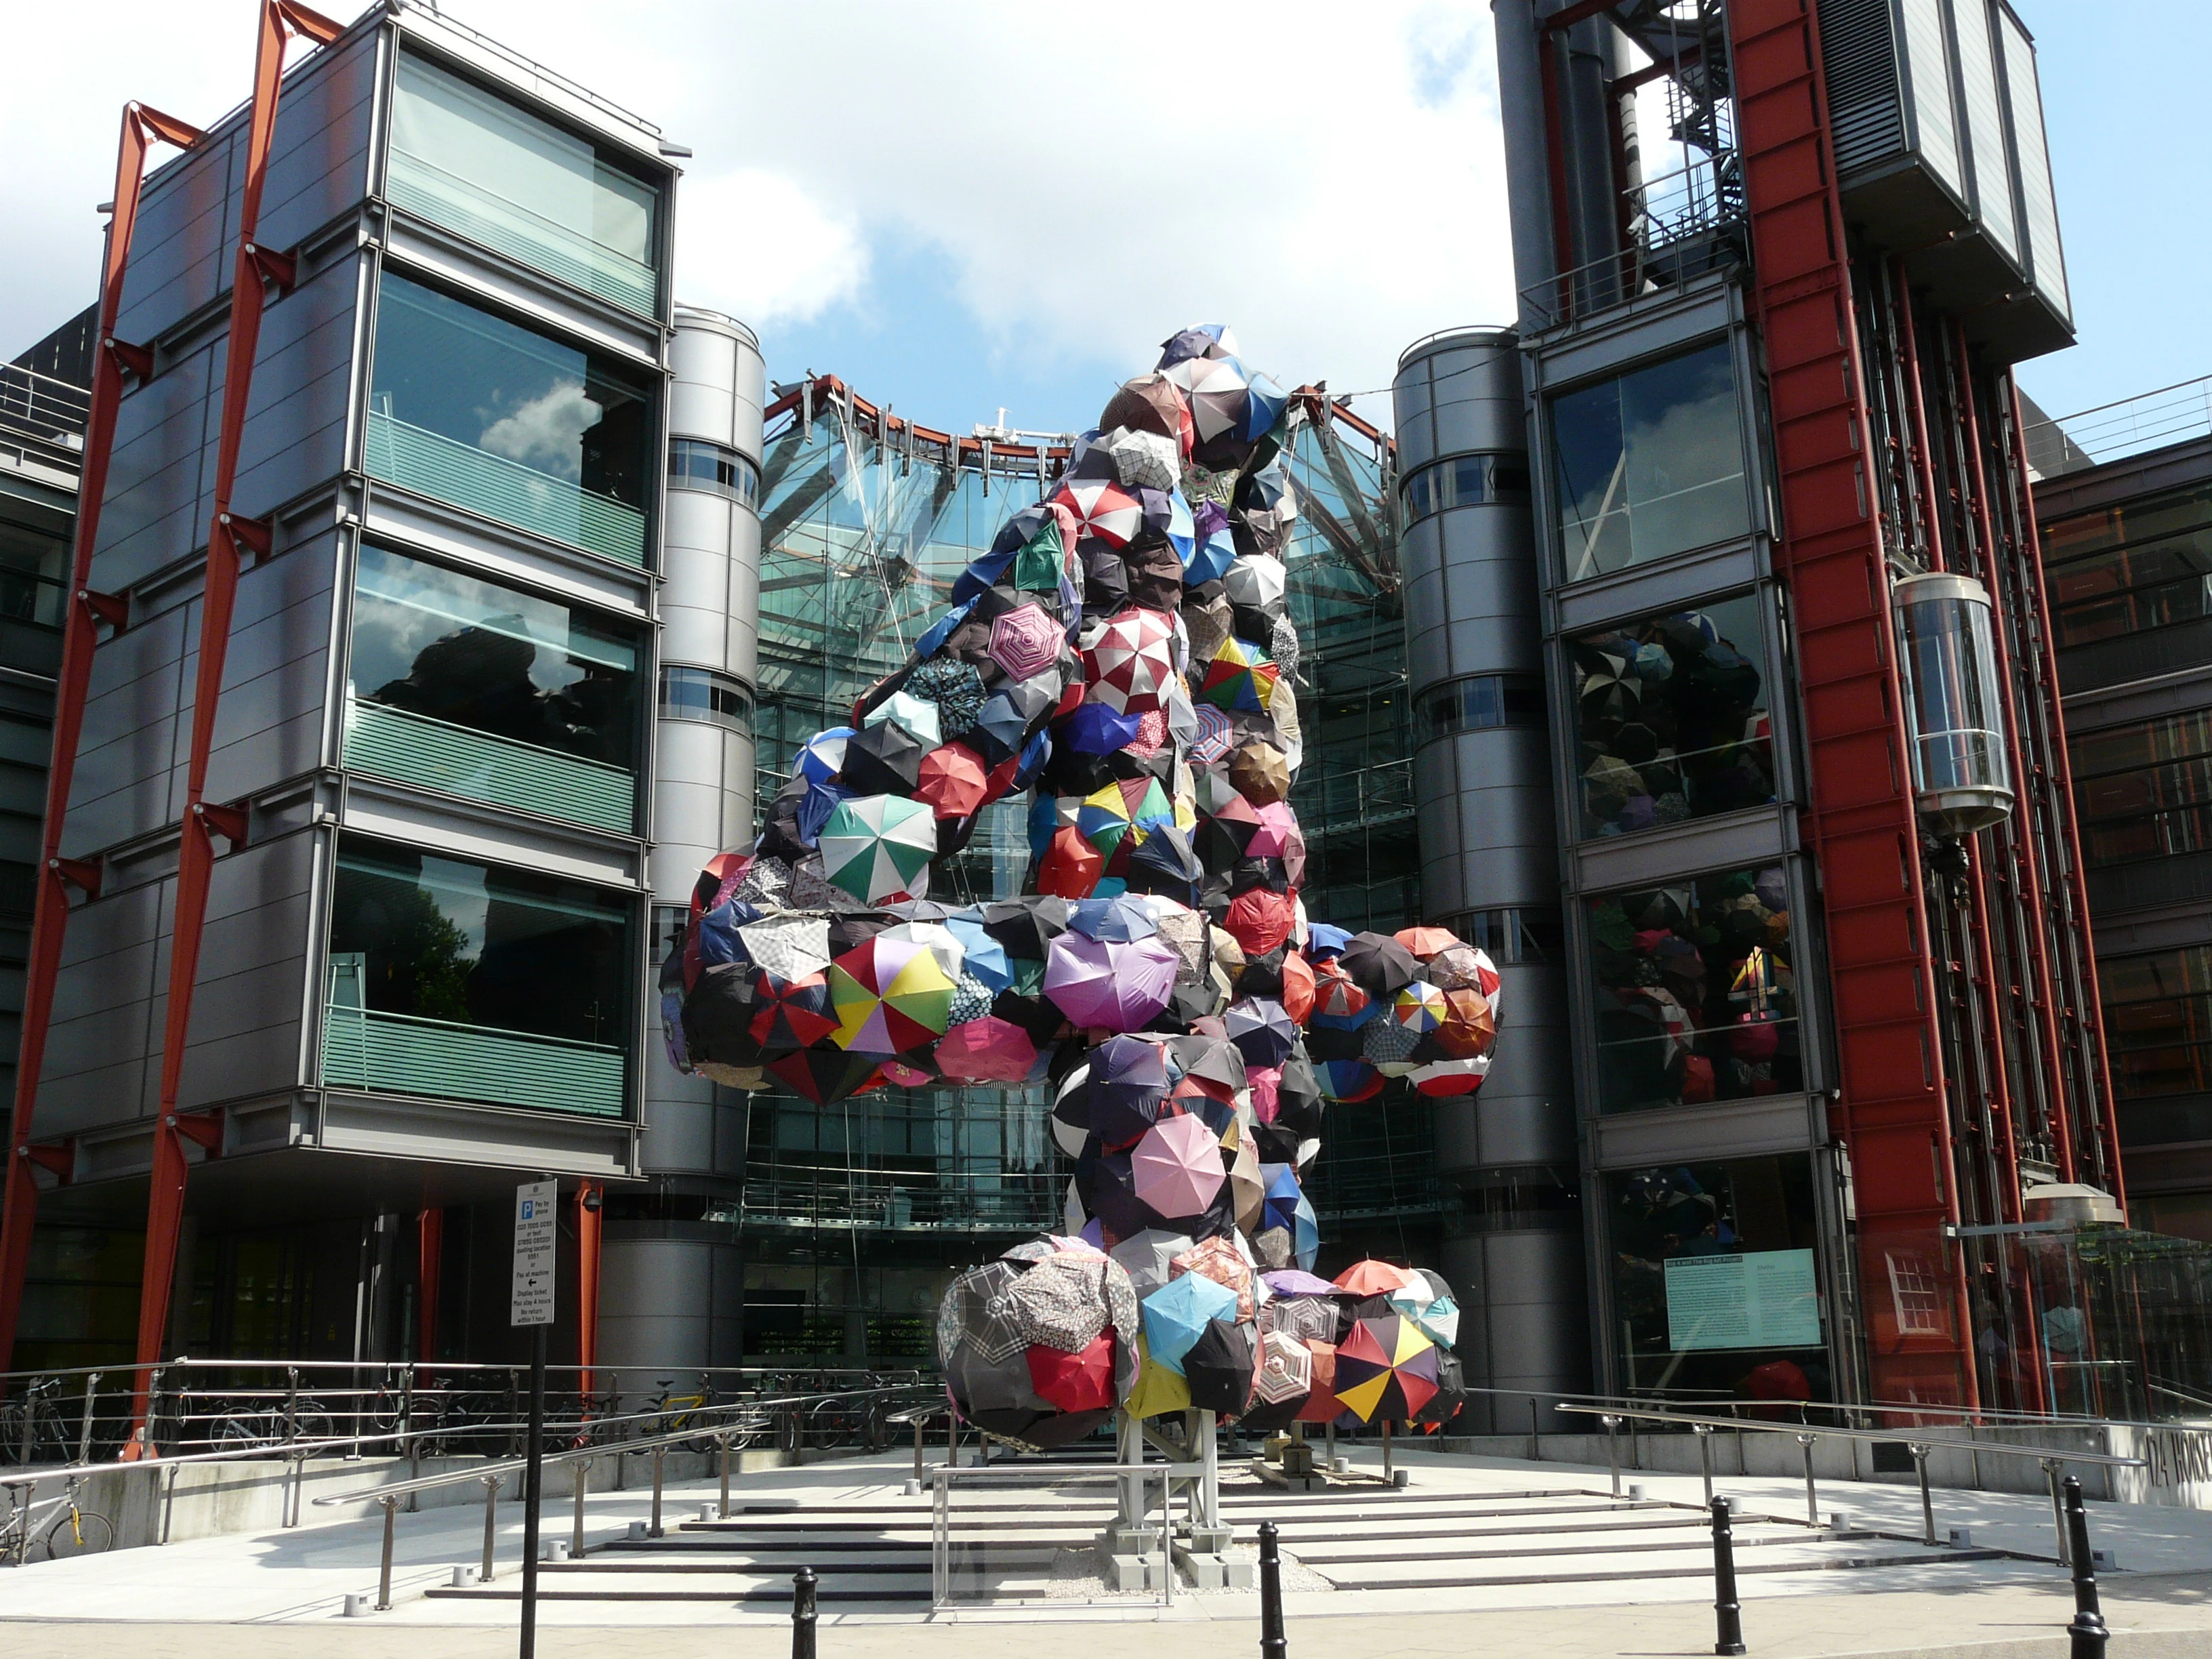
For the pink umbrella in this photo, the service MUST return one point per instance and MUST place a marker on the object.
(987, 1050)
(1176, 1167)
(1110, 985)
(1025, 642)
(1280, 837)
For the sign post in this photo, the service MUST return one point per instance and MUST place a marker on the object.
(537, 1208)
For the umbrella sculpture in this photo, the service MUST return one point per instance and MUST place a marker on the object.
(1125, 649)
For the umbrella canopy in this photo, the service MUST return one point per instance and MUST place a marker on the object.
(1259, 919)
(882, 759)
(1308, 1317)
(1117, 920)
(1165, 863)
(1150, 403)
(1373, 1277)
(822, 756)
(919, 718)
(1261, 774)
(1160, 1389)
(1386, 1370)
(1025, 926)
(792, 1013)
(878, 845)
(1128, 1084)
(1224, 1264)
(1176, 1167)
(1279, 1205)
(1430, 1306)
(951, 781)
(1060, 1302)
(1219, 394)
(890, 995)
(1129, 666)
(789, 947)
(1262, 1032)
(826, 1076)
(1107, 985)
(1291, 1281)
(1321, 1404)
(1079, 1382)
(1379, 964)
(1258, 581)
(1002, 725)
(1177, 1315)
(1213, 740)
(1218, 1368)
(1468, 1028)
(1339, 1003)
(1426, 942)
(1241, 678)
(1281, 1381)
(1103, 511)
(1072, 867)
(1450, 1077)
(1026, 641)
(983, 956)
(987, 1050)
(1148, 1257)
(974, 1311)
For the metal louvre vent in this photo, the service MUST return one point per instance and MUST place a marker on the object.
(1859, 50)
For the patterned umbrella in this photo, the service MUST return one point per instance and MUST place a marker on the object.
(1025, 642)
(1428, 1304)
(1102, 510)
(793, 1013)
(1386, 1368)
(1060, 1302)
(1221, 1261)
(789, 947)
(1419, 1008)
(975, 1310)
(1280, 1382)
(1176, 1167)
(1129, 666)
(1215, 736)
(1241, 678)
(879, 846)
(1340, 1004)
(890, 995)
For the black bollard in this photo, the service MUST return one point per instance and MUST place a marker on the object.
(2088, 1630)
(1272, 1643)
(803, 1615)
(1726, 1608)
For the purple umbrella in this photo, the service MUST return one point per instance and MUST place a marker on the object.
(1108, 985)
(1290, 1281)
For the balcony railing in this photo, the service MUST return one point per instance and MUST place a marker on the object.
(41, 409)
(403, 1055)
(411, 748)
(2112, 432)
(417, 458)
(423, 187)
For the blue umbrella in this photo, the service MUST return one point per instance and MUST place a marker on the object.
(1095, 729)
(1278, 1206)
(1305, 1234)
(986, 958)
(718, 934)
(1176, 1316)
(823, 756)
(1115, 919)
(820, 801)
(1323, 941)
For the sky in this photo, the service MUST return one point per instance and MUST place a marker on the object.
(962, 207)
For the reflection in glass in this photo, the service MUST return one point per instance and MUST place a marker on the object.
(1482, 704)
(701, 693)
(1694, 992)
(2158, 1022)
(697, 464)
(1671, 719)
(479, 945)
(31, 572)
(495, 417)
(1954, 707)
(1746, 1340)
(1464, 481)
(538, 193)
(2144, 791)
(1649, 464)
(473, 652)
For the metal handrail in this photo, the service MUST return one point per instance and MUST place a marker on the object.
(940, 1526)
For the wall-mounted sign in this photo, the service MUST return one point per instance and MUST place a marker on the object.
(1760, 1300)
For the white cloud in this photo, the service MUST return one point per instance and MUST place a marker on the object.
(544, 433)
(755, 244)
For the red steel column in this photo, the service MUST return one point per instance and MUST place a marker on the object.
(19, 1200)
(589, 1196)
(228, 537)
(429, 1278)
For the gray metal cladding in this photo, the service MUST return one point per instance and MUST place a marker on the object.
(161, 473)
(1460, 394)
(2031, 161)
(185, 247)
(1984, 100)
(669, 1304)
(1520, 1115)
(1521, 1297)
(296, 419)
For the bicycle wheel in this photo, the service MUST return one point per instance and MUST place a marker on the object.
(90, 1535)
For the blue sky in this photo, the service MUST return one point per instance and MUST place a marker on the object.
(995, 204)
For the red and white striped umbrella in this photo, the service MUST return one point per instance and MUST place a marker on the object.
(1131, 666)
(1102, 510)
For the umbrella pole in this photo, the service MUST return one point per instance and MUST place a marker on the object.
(1386, 1451)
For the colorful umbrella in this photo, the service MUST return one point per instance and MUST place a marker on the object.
(1348, 1081)
(1177, 1315)
(1129, 666)
(1160, 1390)
(1340, 1004)
(951, 781)
(1419, 1008)
(1262, 774)
(1102, 510)
(1428, 1304)
(890, 995)
(1450, 1077)
(1214, 737)
(1176, 1170)
(1025, 642)
(793, 1013)
(1105, 986)
(1081, 1381)
(1427, 942)
(1386, 1368)
(826, 1076)
(1280, 1382)
(1224, 1264)
(1241, 678)
(987, 1050)
(879, 846)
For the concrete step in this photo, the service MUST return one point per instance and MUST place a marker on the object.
(1852, 1556)
(1503, 1546)
(869, 1585)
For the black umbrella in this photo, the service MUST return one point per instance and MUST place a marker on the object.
(851, 929)
(1218, 1368)
(1039, 1016)
(1263, 974)
(1249, 875)
(1107, 1185)
(1327, 1043)
(884, 759)
(824, 1076)
(1105, 577)
(1165, 864)
(1071, 1115)
(717, 1016)
(1153, 576)
(1077, 772)
(1213, 1059)
(1190, 1004)
(1379, 965)
(1452, 1389)
(1128, 1082)
(1026, 927)
(1060, 1428)
(1262, 1032)
(1299, 1100)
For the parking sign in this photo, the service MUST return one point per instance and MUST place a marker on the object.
(537, 1203)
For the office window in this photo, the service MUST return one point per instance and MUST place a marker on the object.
(2158, 1022)
(516, 425)
(1478, 704)
(2129, 570)
(2144, 791)
(476, 653)
(700, 694)
(1693, 991)
(522, 186)
(1649, 464)
(1464, 481)
(1671, 719)
(1716, 1281)
(696, 464)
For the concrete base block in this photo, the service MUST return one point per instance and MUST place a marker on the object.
(1209, 1541)
(1214, 1570)
(1133, 1574)
(464, 1577)
(358, 1607)
(912, 1489)
(1130, 1540)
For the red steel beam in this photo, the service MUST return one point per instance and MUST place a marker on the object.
(1861, 826)
(228, 538)
(429, 1278)
(19, 1200)
(590, 1195)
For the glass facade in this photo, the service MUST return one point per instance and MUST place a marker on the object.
(1717, 1289)
(477, 982)
(1482, 704)
(1693, 992)
(506, 422)
(1671, 718)
(522, 186)
(32, 566)
(2126, 571)
(2144, 791)
(2158, 1022)
(705, 694)
(1649, 464)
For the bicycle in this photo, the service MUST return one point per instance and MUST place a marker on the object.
(279, 1426)
(75, 1531)
(674, 1414)
(34, 1424)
